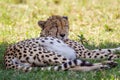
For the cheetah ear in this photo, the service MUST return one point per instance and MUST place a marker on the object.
(41, 24)
(65, 17)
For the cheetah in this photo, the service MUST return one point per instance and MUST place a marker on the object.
(54, 51)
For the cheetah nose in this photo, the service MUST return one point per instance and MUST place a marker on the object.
(62, 35)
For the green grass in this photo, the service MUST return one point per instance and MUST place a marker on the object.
(98, 21)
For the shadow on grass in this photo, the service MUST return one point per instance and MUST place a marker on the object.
(3, 47)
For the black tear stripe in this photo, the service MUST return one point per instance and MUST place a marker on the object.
(57, 31)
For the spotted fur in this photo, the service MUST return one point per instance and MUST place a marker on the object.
(34, 52)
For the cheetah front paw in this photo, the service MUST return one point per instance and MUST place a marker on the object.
(111, 64)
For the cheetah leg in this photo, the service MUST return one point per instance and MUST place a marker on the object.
(109, 50)
(88, 54)
(90, 68)
(12, 62)
(96, 66)
(82, 52)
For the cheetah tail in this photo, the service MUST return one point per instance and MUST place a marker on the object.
(68, 65)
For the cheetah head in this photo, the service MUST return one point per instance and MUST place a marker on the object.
(55, 26)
